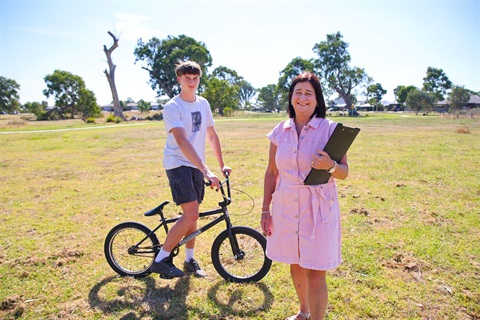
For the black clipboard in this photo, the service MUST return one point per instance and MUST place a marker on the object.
(336, 147)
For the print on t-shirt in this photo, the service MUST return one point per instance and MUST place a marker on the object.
(196, 121)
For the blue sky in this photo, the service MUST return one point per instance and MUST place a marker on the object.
(394, 41)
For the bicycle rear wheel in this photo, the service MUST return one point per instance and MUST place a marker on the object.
(250, 264)
(130, 249)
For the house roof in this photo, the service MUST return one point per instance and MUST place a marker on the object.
(474, 99)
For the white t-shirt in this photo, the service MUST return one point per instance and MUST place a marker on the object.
(195, 118)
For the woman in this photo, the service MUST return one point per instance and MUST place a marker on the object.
(303, 227)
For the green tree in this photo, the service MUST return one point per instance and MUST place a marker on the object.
(144, 106)
(222, 96)
(246, 92)
(334, 66)
(375, 93)
(123, 105)
(458, 97)
(161, 102)
(9, 95)
(269, 98)
(160, 57)
(65, 87)
(420, 100)
(224, 73)
(291, 70)
(37, 108)
(71, 96)
(401, 92)
(87, 104)
(436, 82)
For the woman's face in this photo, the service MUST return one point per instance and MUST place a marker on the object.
(304, 100)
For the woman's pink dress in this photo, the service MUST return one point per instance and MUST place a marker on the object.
(306, 219)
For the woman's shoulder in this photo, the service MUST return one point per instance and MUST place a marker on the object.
(287, 123)
(279, 129)
(325, 122)
(331, 122)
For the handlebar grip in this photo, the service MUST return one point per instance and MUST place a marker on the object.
(208, 183)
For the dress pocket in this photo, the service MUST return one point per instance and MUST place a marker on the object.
(326, 202)
(277, 201)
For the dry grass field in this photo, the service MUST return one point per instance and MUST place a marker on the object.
(410, 221)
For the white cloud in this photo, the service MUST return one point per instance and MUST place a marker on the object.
(131, 27)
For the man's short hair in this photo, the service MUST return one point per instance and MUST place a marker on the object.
(188, 67)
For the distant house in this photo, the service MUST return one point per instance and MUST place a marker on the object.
(392, 106)
(336, 105)
(364, 107)
(132, 106)
(108, 107)
(443, 106)
(156, 106)
(339, 102)
(474, 102)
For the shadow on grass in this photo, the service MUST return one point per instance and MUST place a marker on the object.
(240, 300)
(138, 298)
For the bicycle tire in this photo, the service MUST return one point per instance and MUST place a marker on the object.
(121, 253)
(252, 266)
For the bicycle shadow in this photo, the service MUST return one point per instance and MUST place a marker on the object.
(241, 300)
(140, 298)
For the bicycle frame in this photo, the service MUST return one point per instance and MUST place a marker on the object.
(224, 217)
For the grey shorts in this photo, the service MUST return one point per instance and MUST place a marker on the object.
(186, 184)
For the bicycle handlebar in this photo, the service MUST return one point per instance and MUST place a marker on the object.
(208, 183)
(226, 198)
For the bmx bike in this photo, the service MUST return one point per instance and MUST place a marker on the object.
(237, 253)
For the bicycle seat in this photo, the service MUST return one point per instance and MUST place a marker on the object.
(156, 210)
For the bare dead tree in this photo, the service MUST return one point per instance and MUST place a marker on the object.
(117, 109)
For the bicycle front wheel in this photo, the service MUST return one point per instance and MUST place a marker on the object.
(130, 249)
(249, 264)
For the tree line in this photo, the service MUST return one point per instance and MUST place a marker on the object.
(227, 91)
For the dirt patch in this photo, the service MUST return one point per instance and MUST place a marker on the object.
(406, 262)
(463, 130)
(70, 309)
(12, 307)
(67, 255)
(361, 211)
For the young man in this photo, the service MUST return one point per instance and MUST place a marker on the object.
(189, 123)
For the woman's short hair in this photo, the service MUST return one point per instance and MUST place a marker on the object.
(188, 67)
(321, 109)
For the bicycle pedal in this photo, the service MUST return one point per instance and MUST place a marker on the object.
(163, 276)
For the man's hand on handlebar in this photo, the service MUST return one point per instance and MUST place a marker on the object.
(212, 180)
(226, 171)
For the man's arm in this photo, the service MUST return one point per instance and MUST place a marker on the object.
(214, 141)
(187, 149)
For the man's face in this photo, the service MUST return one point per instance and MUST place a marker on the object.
(189, 82)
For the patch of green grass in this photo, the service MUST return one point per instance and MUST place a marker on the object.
(410, 222)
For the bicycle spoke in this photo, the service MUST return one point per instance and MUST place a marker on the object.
(250, 264)
(123, 255)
